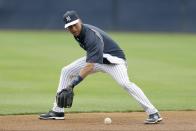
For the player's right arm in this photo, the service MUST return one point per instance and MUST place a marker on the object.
(88, 68)
(94, 48)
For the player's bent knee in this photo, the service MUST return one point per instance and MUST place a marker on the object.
(64, 69)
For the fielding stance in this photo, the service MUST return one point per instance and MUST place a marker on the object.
(102, 55)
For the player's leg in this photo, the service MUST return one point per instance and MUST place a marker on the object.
(119, 73)
(68, 73)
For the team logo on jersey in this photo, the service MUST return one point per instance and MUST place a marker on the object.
(68, 18)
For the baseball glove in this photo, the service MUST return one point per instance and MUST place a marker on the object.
(65, 98)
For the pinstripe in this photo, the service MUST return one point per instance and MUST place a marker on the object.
(69, 71)
(132, 89)
(119, 74)
(125, 79)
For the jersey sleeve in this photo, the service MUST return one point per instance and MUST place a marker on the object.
(94, 48)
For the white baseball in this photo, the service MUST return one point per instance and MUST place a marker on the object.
(107, 121)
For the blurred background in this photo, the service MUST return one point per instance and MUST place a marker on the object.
(157, 36)
(123, 15)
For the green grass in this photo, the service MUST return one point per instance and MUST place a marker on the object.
(163, 65)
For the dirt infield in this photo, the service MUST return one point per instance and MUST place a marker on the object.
(133, 121)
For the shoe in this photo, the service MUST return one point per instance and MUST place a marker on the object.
(153, 119)
(52, 115)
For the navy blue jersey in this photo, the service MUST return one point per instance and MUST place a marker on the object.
(96, 43)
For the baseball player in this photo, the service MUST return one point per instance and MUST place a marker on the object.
(102, 55)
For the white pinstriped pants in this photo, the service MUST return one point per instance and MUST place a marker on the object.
(118, 72)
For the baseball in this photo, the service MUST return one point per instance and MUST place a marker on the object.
(107, 121)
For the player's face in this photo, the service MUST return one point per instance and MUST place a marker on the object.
(75, 29)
